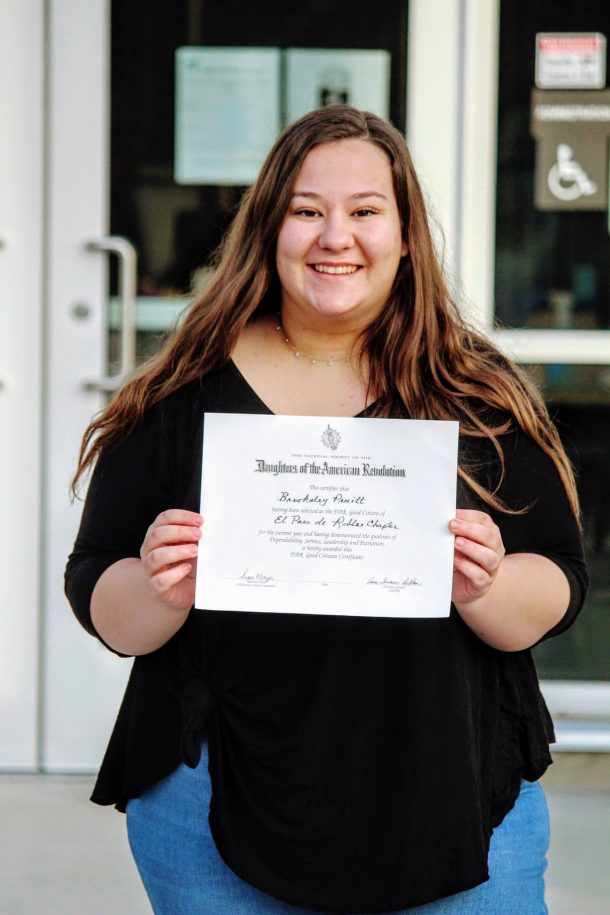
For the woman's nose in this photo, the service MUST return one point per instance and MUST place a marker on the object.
(336, 233)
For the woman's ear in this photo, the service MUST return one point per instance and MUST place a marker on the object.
(404, 250)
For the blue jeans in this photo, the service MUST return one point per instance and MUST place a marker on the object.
(184, 875)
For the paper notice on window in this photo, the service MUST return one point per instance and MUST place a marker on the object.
(335, 76)
(227, 113)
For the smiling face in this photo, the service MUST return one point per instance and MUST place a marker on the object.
(340, 243)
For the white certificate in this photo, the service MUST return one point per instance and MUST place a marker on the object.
(335, 515)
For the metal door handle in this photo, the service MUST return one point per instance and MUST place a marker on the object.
(127, 258)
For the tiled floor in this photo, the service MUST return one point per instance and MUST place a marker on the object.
(61, 855)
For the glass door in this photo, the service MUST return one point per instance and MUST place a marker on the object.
(198, 74)
(544, 290)
(152, 144)
(553, 274)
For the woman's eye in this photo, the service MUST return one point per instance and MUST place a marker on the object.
(305, 211)
(365, 211)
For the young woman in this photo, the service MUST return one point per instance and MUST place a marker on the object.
(347, 764)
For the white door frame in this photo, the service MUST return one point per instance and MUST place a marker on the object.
(21, 255)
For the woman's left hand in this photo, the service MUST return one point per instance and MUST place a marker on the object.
(479, 551)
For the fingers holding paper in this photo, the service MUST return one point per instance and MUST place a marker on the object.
(478, 554)
(169, 556)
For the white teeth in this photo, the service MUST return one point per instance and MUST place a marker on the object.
(326, 268)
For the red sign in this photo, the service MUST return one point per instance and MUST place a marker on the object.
(570, 60)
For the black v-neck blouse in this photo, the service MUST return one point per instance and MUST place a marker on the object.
(357, 764)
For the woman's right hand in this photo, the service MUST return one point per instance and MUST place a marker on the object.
(169, 556)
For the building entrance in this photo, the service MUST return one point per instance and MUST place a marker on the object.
(160, 115)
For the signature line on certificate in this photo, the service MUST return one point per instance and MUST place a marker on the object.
(320, 581)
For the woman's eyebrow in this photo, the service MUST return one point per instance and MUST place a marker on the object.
(362, 194)
(357, 196)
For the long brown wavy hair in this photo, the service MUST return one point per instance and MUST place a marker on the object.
(424, 361)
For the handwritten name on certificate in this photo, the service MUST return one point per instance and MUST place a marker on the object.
(309, 514)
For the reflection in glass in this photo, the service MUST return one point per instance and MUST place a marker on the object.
(579, 399)
(552, 268)
(176, 228)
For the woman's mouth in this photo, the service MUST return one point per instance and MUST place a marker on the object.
(335, 270)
